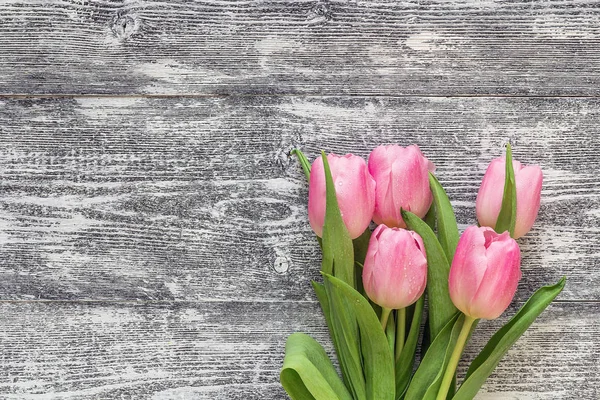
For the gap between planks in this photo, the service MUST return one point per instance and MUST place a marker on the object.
(245, 301)
(297, 95)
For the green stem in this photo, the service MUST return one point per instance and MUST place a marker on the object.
(455, 357)
(400, 332)
(385, 313)
(390, 332)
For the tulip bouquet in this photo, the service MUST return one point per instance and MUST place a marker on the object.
(375, 284)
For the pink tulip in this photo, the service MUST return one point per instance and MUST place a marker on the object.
(395, 269)
(354, 188)
(485, 272)
(528, 180)
(402, 177)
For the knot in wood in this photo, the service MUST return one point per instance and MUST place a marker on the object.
(319, 14)
(281, 265)
(124, 25)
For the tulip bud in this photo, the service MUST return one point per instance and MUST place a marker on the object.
(354, 188)
(485, 272)
(395, 270)
(528, 181)
(402, 177)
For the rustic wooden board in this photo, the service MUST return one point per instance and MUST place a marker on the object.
(234, 350)
(197, 199)
(153, 234)
(303, 46)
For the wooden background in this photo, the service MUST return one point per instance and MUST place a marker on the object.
(154, 241)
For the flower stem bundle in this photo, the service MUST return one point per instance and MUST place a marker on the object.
(375, 282)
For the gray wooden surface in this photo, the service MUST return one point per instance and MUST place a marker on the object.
(154, 242)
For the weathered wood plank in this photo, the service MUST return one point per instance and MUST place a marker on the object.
(302, 46)
(233, 350)
(192, 199)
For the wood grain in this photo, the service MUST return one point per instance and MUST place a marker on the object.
(198, 199)
(234, 350)
(154, 242)
(300, 47)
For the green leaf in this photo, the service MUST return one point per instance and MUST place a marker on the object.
(361, 245)
(447, 230)
(445, 222)
(441, 308)
(428, 378)
(347, 339)
(485, 363)
(426, 341)
(434, 388)
(375, 354)
(404, 365)
(307, 372)
(338, 253)
(321, 293)
(508, 212)
(303, 162)
(429, 218)
(319, 289)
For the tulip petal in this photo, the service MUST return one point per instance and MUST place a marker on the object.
(515, 210)
(317, 197)
(468, 268)
(354, 189)
(529, 189)
(500, 281)
(395, 270)
(401, 176)
(485, 272)
(489, 197)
